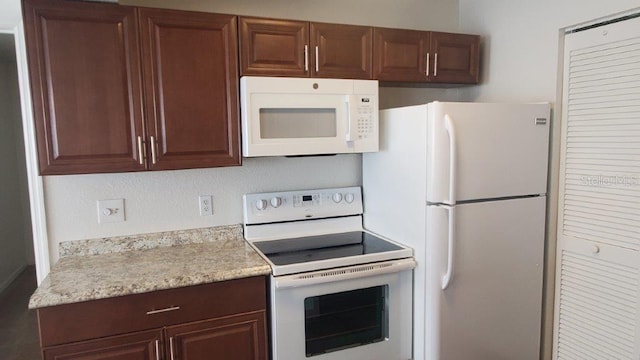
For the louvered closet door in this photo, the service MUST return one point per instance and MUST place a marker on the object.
(597, 314)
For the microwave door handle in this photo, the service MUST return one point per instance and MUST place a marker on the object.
(351, 121)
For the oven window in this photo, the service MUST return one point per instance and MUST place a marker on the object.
(297, 123)
(347, 319)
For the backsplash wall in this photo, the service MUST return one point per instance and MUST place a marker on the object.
(168, 200)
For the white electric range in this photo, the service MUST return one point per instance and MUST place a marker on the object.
(337, 290)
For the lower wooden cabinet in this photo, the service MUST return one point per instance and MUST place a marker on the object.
(224, 320)
(137, 346)
(238, 337)
(234, 337)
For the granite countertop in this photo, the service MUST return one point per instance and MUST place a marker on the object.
(76, 278)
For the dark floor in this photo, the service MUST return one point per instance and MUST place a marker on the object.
(19, 325)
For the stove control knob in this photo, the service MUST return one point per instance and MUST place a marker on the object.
(349, 198)
(337, 197)
(261, 204)
(276, 201)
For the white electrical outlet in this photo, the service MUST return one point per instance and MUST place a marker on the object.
(206, 205)
(110, 211)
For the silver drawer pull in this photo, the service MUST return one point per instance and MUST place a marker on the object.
(173, 308)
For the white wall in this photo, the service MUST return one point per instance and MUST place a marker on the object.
(15, 226)
(439, 15)
(521, 41)
(9, 14)
(158, 201)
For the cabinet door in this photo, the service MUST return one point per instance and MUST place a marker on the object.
(401, 55)
(238, 337)
(341, 51)
(597, 306)
(135, 346)
(456, 58)
(191, 87)
(274, 47)
(85, 83)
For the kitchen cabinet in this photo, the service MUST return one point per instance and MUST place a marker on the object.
(401, 55)
(425, 56)
(223, 320)
(94, 67)
(137, 346)
(233, 337)
(271, 47)
(85, 82)
(456, 58)
(191, 88)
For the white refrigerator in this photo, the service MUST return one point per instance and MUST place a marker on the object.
(465, 185)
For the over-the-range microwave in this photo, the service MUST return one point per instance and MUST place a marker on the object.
(304, 116)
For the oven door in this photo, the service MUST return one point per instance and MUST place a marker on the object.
(358, 313)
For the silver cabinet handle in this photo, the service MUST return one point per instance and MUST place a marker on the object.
(171, 347)
(306, 58)
(428, 58)
(157, 349)
(153, 149)
(173, 308)
(435, 66)
(140, 151)
(317, 57)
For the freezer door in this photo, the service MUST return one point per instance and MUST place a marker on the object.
(499, 150)
(491, 309)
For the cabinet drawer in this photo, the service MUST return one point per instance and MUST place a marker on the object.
(93, 319)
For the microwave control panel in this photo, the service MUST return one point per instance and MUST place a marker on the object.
(364, 123)
(365, 116)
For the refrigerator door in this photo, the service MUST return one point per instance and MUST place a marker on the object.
(493, 151)
(492, 307)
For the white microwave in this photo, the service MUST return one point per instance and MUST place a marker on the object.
(304, 116)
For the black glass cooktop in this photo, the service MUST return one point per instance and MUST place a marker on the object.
(323, 247)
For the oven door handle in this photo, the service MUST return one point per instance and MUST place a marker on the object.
(341, 274)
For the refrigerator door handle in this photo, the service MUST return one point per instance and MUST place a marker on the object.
(446, 279)
(451, 132)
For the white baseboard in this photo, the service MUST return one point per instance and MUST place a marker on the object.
(14, 275)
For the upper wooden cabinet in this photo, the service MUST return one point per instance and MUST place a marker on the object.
(424, 56)
(85, 81)
(274, 47)
(118, 88)
(341, 51)
(191, 88)
(400, 55)
(294, 48)
(91, 78)
(456, 58)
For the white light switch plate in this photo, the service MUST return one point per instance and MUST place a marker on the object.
(111, 211)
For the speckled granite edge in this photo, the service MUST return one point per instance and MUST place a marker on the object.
(224, 236)
(82, 278)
